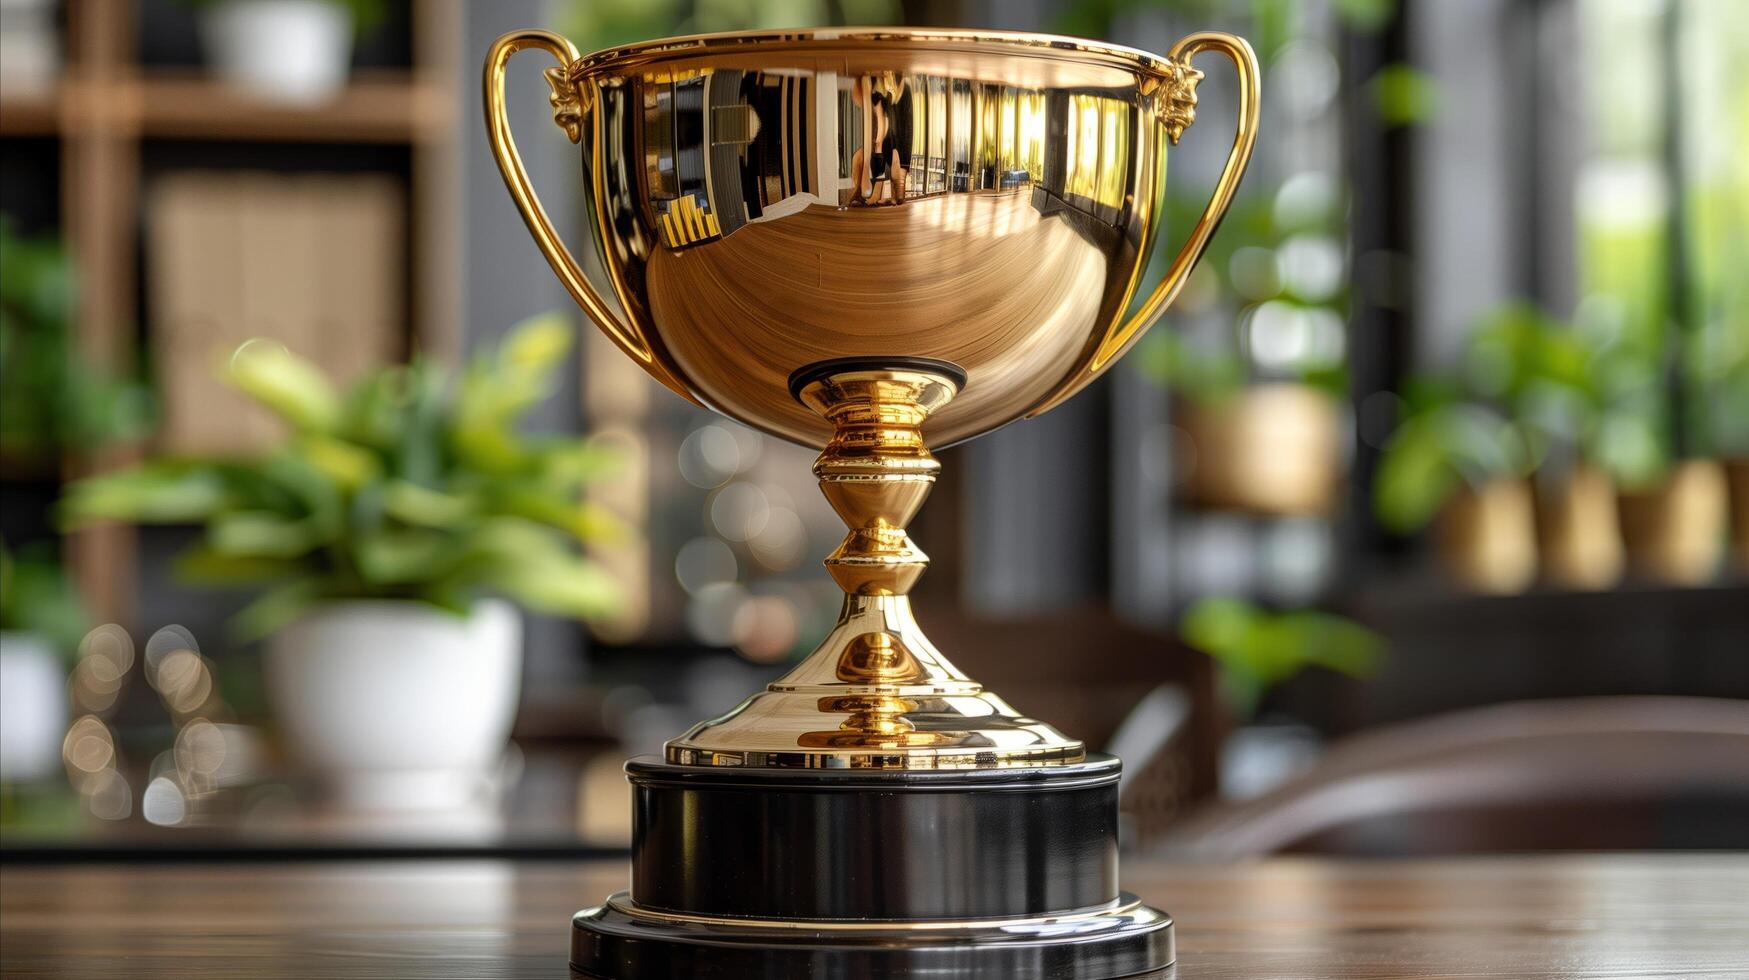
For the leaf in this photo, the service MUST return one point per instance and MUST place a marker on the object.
(419, 447)
(1403, 95)
(345, 463)
(155, 493)
(373, 414)
(573, 462)
(401, 557)
(1335, 643)
(413, 504)
(259, 534)
(530, 563)
(288, 482)
(536, 346)
(1219, 627)
(1414, 478)
(572, 587)
(1258, 650)
(276, 608)
(1366, 16)
(583, 520)
(210, 567)
(498, 389)
(293, 388)
(37, 597)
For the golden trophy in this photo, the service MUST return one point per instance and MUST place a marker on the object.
(871, 242)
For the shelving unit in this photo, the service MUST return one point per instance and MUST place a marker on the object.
(381, 106)
(106, 105)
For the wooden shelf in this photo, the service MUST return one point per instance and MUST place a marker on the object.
(30, 115)
(381, 107)
(107, 104)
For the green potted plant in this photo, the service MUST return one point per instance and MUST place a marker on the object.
(1556, 380)
(51, 401)
(386, 534)
(1261, 406)
(1464, 463)
(1672, 496)
(286, 50)
(1268, 448)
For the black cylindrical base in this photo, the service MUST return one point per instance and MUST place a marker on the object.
(771, 874)
(617, 941)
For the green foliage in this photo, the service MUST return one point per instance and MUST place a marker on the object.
(50, 399)
(412, 485)
(1588, 386)
(1438, 450)
(36, 597)
(1366, 16)
(367, 15)
(1198, 373)
(1404, 95)
(1722, 381)
(1269, 23)
(1259, 649)
(1529, 384)
(1244, 261)
(612, 23)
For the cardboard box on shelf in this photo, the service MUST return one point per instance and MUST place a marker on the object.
(315, 262)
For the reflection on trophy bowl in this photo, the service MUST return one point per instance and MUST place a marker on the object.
(763, 202)
(856, 239)
(933, 277)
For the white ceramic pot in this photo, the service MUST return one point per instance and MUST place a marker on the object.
(286, 50)
(33, 707)
(398, 705)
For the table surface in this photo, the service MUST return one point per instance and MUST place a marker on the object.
(1611, 916)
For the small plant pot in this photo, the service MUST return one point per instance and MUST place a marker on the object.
(1487, 537)
(1270, 449)
(398, 705)
(1579, 532)
(1675, 532)
(33, 707)
(297, 51)
(1737, 478)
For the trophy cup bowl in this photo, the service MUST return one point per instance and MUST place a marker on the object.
(873, 242)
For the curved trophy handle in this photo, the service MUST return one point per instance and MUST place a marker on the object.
(567, 101)
(1179, 112)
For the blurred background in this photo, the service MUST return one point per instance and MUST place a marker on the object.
(1420, 523)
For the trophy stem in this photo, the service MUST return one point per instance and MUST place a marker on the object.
(876, 472)
(875, 693)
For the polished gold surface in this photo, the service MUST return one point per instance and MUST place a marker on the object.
(985, 198)
(766, 202)
(875, 693)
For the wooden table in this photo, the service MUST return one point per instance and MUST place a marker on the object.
(1535, 917)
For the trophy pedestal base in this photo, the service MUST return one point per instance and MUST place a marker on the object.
(772, 874)
(630, 944)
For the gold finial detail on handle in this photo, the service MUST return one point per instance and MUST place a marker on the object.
(1178, 101)
(567, 102)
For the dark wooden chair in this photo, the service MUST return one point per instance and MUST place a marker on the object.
(1086, 671)
(1582, 774)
